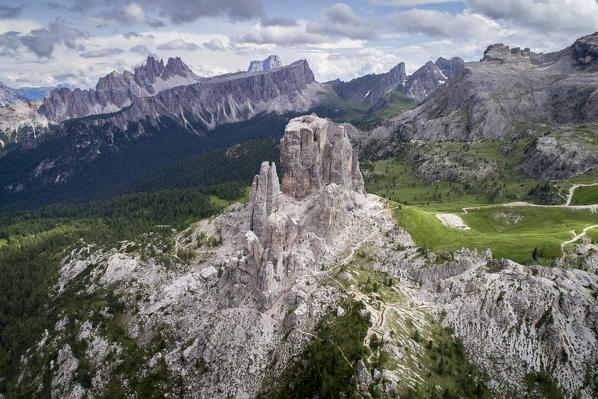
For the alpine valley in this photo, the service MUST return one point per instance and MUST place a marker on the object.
(261, 234)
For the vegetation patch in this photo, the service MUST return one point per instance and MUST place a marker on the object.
(514, 233)
(587, 195)
(326, 365)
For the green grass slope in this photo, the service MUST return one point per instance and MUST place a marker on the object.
(510, 232)
(585, 196)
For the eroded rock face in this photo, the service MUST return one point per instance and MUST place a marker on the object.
(322, 184)
(117, 90)
(269, 63)
(265, 190)
(315, 152)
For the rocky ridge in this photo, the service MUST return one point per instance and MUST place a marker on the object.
(371, 89)
(8, 95)
(197, 108)
(19, 120)
(229, 98)
(117, 90)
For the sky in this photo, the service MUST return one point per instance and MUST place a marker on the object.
(45, 43)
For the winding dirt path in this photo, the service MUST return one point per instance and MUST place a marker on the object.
(577, 237)
(593, 209)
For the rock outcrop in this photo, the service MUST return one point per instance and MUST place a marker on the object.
(322, 183)
(263, 196)
(19, 120)
(268, 64)
(314, 153)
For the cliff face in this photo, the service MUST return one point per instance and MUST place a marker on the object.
(116, 90)
(268, 64)
(321, 182)
(315, 152)
(225, 99)
(488, 99)
(8, 95)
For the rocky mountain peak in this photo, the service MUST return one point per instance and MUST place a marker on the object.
(500, 52)
(424, 80)
(449, 67)
(585, 51)
(272, 62)
(8, 95)
(263, 196)
(398, 71)
(115, 90)
(176, 66)
(321, 185)
(315, 152)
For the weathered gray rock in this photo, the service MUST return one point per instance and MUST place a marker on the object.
(116, 90)
(315, 152)
(561, 155)
(268, 64)
(263, 196)
(321, 187)
(8, 95)
(364, 378)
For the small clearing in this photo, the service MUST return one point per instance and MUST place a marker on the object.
(452, 221)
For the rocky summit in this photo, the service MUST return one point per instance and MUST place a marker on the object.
(117, 90)
(268, 64)
(314, 153)
(321, 180)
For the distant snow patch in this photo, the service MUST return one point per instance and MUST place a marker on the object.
(452, 221)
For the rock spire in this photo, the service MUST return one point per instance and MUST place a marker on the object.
(315, 152)
(263, 196)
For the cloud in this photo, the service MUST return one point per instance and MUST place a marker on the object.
(42, 41)
(131, 14)
(543, 16)
(105, 52)
(7, 12)
(179, 44)
(191, 10)
(280, 35)
(140, 49)
(443, 24)
(280, 20)
(9, 42)
(336, 21)
(407, 3)
(340, 20)
(65, 76)
(215, 45)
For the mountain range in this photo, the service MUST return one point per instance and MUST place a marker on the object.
(509, 92)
